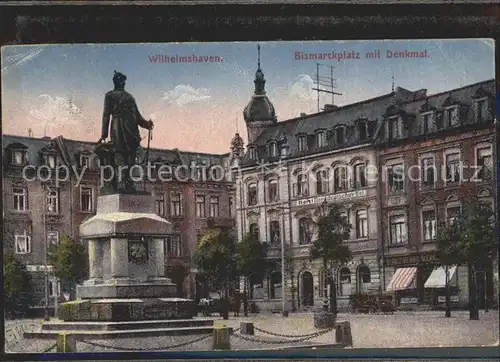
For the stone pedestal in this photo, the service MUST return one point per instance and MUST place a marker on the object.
(126, 265)
(324, 319)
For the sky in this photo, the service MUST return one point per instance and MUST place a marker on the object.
(59, 89)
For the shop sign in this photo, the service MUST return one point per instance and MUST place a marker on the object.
(453, 299)
(408, 300)
(410, 259)
(331, 198)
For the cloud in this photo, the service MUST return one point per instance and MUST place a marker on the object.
(302, 88)
(184, 94)
(15, 60)
(55, 112)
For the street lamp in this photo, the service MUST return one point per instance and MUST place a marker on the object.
(46, 207)
(284, 311)
(326, 276)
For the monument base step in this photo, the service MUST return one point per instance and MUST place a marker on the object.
(123, 310)
(135, 333)
(123, 326)
(127, 290)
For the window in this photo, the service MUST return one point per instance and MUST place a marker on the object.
(274, 228)
(272, 191)
(18, 157)
(427, 122)
(252, 153)
(482, 110)
(49, 160)
(300, 188)
(173, 245)
(484, 163)
(428, 172)
(200, 206)
(360, 175)
(20, 198)
(323, 182)
(53, 201)
(275, 285)
(273, 149)
(87, 199)
(305, 226)
(214, 206)
(452, 116)
(345, 215)
(362, 131)
(230, 207)
(339, 135)
(160, 204)
(345, 281)
(84, 161)
(395, 178)
(398, 229)
(54, 288)
(284, 150)
(254, 231)
(302, 143)
(429, 224)
(361, 224)
(340, 178)
(452, 213)
(321, 139)
(176, 208)
(453, 169)
(394, 128)
(252, 194)
(53, 237)
(23, 243)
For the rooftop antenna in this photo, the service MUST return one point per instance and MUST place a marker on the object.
(236, 120)
(327, 82)
(258, 56)
(392, 81)
(30, 133)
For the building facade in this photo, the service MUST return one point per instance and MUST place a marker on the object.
(444, 145)
(37, 209)
(348, 155)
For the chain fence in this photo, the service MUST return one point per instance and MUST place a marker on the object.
(302, 338)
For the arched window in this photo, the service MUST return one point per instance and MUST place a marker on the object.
(252, 153)
(305, 231)
(323, 181)
(345, 281)
(272, 191)
(321, 139)
(273, 149)
(254, 231)
(256, 287)
(361, 224)
(300, 187)
(275, 285)
(274, 232)
(252, 193)
(340, 178)
(364, 279)
(360, 175)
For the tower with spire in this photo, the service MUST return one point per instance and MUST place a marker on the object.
(259, 113)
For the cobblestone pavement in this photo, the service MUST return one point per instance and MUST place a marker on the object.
(411, 329)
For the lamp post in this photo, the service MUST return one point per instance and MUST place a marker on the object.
(46, 271)
(326, 280)
(284, 311)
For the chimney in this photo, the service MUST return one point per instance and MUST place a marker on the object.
(46, 138)
(329, 107)
(302, 114)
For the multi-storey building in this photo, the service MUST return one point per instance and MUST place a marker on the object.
(345, 155)
(443, 144)
(39, 209)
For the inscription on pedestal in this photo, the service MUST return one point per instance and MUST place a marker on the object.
(138, 251)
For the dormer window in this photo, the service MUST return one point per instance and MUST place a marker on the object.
(321, 139)
(451, 114)
(49, 160)
(482, 109)
(362, 130)
(18, 157)
(394, 128)
(273, 149)
(252, 153)
(340, 135)
(302, 142)
(284, 150)
(427, 122)
(84, 161)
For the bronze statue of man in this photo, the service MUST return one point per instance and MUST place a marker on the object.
(125, 138)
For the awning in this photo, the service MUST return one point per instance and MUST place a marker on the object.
(402, 279)
(437, 279)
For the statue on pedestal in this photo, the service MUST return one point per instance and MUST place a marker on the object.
(121, 152)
